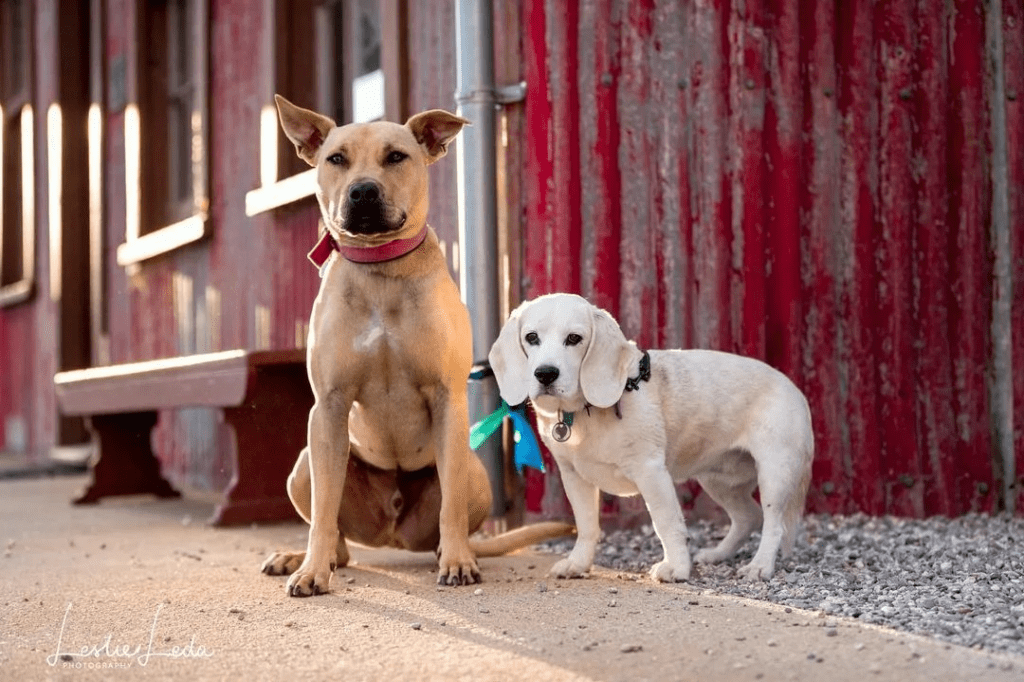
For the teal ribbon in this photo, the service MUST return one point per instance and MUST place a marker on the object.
(527, 452)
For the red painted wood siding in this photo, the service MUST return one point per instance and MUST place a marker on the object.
(807, 183)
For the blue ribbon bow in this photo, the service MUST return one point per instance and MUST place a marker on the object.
(527, 452)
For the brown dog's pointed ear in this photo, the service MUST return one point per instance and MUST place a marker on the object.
(607, 362)
(306, 129)
(434, 129)
(508, 360)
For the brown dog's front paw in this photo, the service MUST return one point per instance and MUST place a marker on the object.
(282, 563)
(458, 571)
(463, 576)
(308, 583)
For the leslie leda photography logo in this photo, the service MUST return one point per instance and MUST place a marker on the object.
(109, 653)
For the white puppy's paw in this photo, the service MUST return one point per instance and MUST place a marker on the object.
(756, 572)
(709, 556)
(567, 568)
(664, 572)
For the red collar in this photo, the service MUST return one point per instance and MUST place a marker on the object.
(365, 254)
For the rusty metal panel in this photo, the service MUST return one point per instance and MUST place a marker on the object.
(806, 183)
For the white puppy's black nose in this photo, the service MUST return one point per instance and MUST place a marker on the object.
(546, 374)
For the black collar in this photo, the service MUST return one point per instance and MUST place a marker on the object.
(632, 384)
(645, 373)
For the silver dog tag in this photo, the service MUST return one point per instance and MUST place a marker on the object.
(561, 432)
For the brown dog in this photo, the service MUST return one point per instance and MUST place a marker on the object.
(388, 460)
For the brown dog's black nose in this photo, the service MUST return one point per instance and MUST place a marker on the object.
(546, 374)
(363, 193)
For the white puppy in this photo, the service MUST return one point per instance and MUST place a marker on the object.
(626, 422)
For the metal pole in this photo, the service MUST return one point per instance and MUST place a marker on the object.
(478, 229)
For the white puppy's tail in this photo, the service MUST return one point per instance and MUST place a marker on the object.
(794, 509)
(519, 538)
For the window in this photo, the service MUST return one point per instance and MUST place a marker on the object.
(342, 59)
(182, 86)
(167, 185)
(367, 102)
(351, 87)
(17, 162)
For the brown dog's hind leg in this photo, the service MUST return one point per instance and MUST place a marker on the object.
(417, 526)
(285, 563)
(370, 503)
(282, 563)
(480, 495)
(299, 487)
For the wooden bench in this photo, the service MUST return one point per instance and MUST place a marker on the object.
(264, 396)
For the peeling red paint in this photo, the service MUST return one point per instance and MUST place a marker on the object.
(969, 188)
(893, 347)
(821, 204)
(600, 128)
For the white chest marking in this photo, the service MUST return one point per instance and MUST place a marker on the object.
(368, 338)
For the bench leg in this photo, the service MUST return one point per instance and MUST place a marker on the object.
(270, 430)
(125, 463)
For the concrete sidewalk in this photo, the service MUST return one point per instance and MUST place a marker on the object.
(146, 590)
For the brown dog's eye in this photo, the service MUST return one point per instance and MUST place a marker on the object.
(396, 157)
(533, 339)
(573, 339)
(336, 159)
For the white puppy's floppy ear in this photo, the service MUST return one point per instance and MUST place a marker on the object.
(508, 360)
(607, 362)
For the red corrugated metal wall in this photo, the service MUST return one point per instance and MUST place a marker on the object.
(804, 182)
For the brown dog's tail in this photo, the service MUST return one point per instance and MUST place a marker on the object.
(520, 537)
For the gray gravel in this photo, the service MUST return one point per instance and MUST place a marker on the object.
(959, 580)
